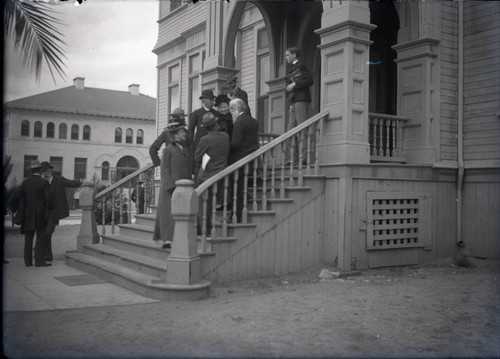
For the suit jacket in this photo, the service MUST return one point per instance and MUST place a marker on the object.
(216, 145)
(37, 203)
(163, 138)
(245, 137)
(58, 186)
(299, 74)
(176, 164)
(195, 128)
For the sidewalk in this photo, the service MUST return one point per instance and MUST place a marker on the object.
(58, 286)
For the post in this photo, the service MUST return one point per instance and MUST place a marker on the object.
(88, 227)
(183, 263)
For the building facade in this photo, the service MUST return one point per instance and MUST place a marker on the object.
(412, 90)
(83, 132)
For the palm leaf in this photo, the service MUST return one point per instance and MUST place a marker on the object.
(33, 26)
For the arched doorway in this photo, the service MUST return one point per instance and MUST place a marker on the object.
(125, 166)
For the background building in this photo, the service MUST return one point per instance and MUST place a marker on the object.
(82, 131)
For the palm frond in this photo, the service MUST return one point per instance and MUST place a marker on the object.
(35, 34)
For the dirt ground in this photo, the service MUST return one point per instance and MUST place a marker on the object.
(431, 311)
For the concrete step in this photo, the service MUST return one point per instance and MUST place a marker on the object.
(144, 284)
(147, 220)
(147, 248)
(137, 231)
(131, 260)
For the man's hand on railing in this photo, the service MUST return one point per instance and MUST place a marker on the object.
(86, 183)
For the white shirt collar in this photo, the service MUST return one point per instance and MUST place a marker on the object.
(293, 63)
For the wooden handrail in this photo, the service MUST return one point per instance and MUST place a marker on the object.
(389, 117)
(123, 180)
(254, 155)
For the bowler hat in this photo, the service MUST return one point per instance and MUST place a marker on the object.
(35, 164)
(207, 94)
(46, 165)
(208, 120)
(230, 78)
(178, 112)
(173, 127)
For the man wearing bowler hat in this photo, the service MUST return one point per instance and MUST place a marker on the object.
(60, 209)
(195, 128)
(36, 204)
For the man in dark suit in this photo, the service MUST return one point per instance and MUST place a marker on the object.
(60, 207)
(234, 91)
(245, 140)
(138, 197)
(36, 204)
(298, 80)
(211, 157)
(195, 127)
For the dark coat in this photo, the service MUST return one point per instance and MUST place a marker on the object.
(58, 186)
(37, 203)
(299, 74)
(225, 123)
(163, 138)
(245, 139)
(216, 145)
(195, 128)
(176, 164)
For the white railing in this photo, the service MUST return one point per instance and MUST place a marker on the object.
(386, 138)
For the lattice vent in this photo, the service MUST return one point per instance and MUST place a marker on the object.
(395, 220)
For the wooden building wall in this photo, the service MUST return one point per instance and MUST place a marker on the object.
(482, 81)
(448, 94)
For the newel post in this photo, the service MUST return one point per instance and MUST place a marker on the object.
(183, 263)
(88, 227)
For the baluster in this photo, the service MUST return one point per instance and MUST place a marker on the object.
(317, 132)
(255, 168)
(113, 212)
(129, 208)
(387, 128)
(292, 158)
(264, 183)
(244, 211)
(394, 124)
(234, 219)
(224, 208)
(282, 184)
(380, 151)
(103, 206)
(204, 221)
(400, 138)
(308, 151)
(214, 209)
(301, 158)
(273, 171)
(120, 201)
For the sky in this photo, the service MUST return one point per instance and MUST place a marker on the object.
(109, 43)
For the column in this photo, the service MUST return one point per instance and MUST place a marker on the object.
(88, 227)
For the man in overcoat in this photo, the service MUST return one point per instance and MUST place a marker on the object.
(244, 141)
(60, 209)
(36, 205)
(176, 164)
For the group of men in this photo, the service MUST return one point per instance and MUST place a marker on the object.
(38, 206)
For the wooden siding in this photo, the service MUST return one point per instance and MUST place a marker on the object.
(162, 98)
(172, 27)
(447, 96)
(482, 80)
(481, 211)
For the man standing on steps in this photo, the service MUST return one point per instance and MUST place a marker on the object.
(60, 209)
(298, 81)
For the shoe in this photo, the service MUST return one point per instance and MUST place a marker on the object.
(166, 245)
(28, 265)
(44, 264)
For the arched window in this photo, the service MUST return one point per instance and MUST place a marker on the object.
(25, 128)
(38, 129)
(129, 136)
(86, 132)
(50, 130)
(75, 132)
(140, 137)
(105, 171)
(125, 166)
(118, 135)
(63, 131)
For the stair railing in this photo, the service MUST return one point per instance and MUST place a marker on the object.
(117, 198)
(296, 151)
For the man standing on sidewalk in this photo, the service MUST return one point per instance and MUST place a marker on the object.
(60, 207)
(35, 206)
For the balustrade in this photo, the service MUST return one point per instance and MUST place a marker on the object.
(386, 138)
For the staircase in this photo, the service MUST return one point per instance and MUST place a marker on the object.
(279, 234)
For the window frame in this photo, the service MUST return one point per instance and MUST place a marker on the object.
(262, 100)
(76, 172)
(65, 132)
(86, 133)
(50, 131)
(25, 128)
(129, 138)
(38, 129)
(174, 84)
(57, 163)
(139, 137)
(105, 169)
(73, 126)
(118, 129)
